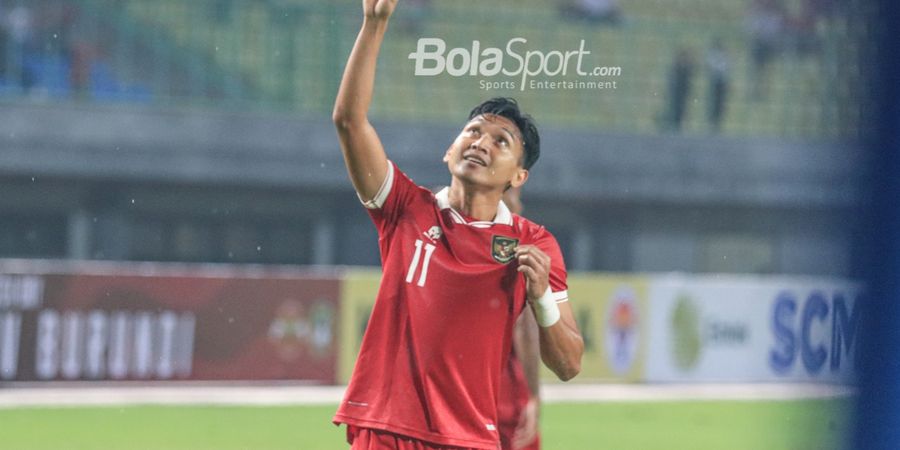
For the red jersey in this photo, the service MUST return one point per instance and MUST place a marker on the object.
(441, 328)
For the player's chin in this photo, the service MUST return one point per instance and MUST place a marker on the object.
(467, 173)
(481, 180)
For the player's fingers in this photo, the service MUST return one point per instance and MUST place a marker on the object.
(529, 248)
(533, 252)
(536, 261)
(525, 249)
(544, 260)
(533, 263)
(525, 258)
(529, 272)
(538, 272)
(541, 256)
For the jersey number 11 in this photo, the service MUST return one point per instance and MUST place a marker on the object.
(429, 249)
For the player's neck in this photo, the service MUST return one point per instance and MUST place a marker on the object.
(478, 204)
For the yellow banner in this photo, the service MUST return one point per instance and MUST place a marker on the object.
(611, 311)
(357, 297)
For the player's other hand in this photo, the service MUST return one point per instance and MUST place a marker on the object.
(527, 429)
(379, 9)
(535, 265)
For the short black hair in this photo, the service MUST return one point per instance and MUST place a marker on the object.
(509, 108)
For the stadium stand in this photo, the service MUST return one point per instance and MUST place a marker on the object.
(285, 55)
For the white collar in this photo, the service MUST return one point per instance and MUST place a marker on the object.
(503, 217)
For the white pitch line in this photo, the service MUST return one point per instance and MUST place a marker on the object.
(687, 392)
(331, 395)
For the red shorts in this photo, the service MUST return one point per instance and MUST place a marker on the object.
(372, 439)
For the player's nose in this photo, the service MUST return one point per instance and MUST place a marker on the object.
(480, 144)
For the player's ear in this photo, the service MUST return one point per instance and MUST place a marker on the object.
(447, 154)
(520, 178)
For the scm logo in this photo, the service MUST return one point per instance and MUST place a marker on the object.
(826, 332)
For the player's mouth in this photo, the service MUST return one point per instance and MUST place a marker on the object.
(475, 160)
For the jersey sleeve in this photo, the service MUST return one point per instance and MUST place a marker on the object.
(545, 241)
(391, 201)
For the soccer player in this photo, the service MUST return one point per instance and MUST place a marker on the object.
(458, 270)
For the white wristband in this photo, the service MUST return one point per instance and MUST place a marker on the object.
(546, 310)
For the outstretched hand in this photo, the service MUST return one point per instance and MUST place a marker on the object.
(379, 9)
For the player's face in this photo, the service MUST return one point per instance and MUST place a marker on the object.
(488, 152)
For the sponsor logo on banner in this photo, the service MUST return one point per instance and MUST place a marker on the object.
(622, 330)
(692, 333)
(818, 332)
(685, 323)
(294, 328)
(741, 328)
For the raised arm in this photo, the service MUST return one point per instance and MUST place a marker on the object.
(363, 153)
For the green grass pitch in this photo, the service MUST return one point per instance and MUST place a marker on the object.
(788, 425)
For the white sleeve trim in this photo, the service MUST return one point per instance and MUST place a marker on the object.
(378, 201)
(561, 296)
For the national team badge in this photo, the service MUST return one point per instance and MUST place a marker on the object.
(503, 249)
